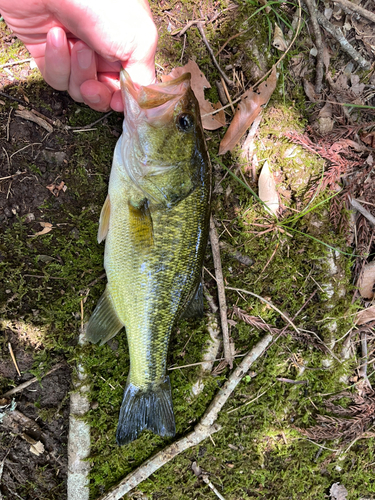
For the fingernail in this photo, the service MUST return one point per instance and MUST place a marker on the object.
(92, 99)
(57, 38)
(84, 57)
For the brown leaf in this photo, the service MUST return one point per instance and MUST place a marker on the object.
(366, 315)
(247, 110)
(198, 83)
(279, 40)
(310, 91)
(56, 188)
(47, 228)
(367, 282)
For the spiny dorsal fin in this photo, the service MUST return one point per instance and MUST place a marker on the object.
(140, 225)
(104, 220)
(104, 323)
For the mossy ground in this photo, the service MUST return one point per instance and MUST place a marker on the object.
(258, 453)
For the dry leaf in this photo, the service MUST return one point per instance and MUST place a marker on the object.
(366, 284)
(56, 188)
(366, 315)
(198, 83)
(247, 110)
(37, 448)
(310, 91)
(267, 189)
(338, 492)
(325, 121)
(279, 40)
(47, 228)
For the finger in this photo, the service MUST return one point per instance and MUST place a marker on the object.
(96, 95)
(56, 71)
(117, 103)
(83, 67)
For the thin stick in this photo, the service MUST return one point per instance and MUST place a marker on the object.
(221, 292)
(345, 45)
(227, 93)
(203, 430)
(89, 125)
(208, 482)
(357, 8)
(23, 386)
(11, 176)
(318, 43)
(13, 358)
(266, 302)
(205, 41)
(355, 204)
(252, 401)
(14, 63)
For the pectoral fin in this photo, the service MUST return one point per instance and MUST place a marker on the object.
(104, 220)
(195, 307)
(141, 227)
(104, 322)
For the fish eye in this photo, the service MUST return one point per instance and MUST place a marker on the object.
(185, 122)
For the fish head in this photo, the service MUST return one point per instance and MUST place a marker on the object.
(162, 148)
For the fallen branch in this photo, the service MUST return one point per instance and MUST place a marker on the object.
(355, 204)
(345, 45)
(203, 430)
(318, 43)
(358, 9)
(79, 437)
(221, 292)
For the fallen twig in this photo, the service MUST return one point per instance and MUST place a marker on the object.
(208, 482)
(345, 45)
(362, 372)
(203, 430)
(79, 436)
(357, 8)
(318, 43)
(221, 292)
(205, 41)
(233, 252)
(210, 353)
(23, 386)
(356, 204)
(14, 63)
(32, 117)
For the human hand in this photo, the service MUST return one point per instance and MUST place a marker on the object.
(81, 45)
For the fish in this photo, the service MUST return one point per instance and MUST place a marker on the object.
(155, 223)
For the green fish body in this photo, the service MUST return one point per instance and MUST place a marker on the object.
(155, 222)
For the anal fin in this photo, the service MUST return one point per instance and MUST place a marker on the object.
(103, 323)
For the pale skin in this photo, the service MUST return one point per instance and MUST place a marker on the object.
(81, 45)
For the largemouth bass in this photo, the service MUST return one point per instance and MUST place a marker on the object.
(155, 222)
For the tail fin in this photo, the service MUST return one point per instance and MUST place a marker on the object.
(146, 409)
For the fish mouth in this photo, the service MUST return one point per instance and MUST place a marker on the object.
(157, 101)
